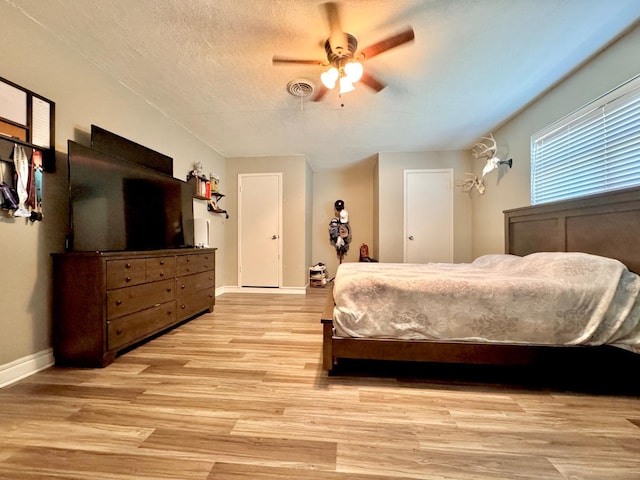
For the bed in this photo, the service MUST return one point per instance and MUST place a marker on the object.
(603, 227)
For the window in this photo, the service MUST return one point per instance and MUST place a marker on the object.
(595, 149)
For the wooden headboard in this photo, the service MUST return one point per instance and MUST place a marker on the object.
(606, 224)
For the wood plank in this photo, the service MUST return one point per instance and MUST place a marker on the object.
(273, 451)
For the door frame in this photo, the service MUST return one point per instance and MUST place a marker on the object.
(406, 173)
(280, 220)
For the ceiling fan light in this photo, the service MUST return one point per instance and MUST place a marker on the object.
(329, 77)
(346, 86)
(354, 71)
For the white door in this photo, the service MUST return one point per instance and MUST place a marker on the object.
(259, 229)
(428, 216)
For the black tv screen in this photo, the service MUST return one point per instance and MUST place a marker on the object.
(118, 205)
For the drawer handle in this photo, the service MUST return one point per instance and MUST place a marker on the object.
(128, 279)
(188, 259)
(210, 278)
(118, 302)
(162, 274)
(210, 295)
(168, 290)
(161, 262)
(118, 331)
(182, 286)
(183, 306)
(128, 265)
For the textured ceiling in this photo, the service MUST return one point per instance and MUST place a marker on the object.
(208, 65)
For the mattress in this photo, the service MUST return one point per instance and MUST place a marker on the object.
(548, 298)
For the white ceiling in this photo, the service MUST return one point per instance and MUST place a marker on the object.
(208, 65)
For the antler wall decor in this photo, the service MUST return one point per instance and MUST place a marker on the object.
(471, 183)
(488, 150)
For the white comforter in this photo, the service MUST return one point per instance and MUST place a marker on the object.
(543, 299)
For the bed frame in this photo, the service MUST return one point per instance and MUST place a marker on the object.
(606, 224)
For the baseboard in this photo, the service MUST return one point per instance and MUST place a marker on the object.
(280, 290)
(25, 366)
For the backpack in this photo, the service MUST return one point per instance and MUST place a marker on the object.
(10, 198)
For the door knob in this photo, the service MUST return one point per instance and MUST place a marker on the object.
(410, 237)
(274, 237)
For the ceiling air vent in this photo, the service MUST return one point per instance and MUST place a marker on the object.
(300, 88)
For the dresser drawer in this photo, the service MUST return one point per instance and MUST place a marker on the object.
(122, 273)
(199, 262)
(194, 283)
(126, 330)
(132, 299)
(188, 305)
(160, 268)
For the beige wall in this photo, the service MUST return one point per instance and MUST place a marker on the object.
(83, 95)
(294, 169)
(609, 69)
(353, 185)
(390, 201)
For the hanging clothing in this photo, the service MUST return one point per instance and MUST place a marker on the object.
(21, 164)
(31, 186)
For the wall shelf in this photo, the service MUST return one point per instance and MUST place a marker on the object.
(27, 119)
(202, 187)
(213, 205)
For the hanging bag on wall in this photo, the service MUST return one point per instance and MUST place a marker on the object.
(9, 197)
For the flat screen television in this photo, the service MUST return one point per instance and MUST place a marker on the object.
(118, 205)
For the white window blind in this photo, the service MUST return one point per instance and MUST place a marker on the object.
(595, 149)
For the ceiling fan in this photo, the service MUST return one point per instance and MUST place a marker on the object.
(344, 58)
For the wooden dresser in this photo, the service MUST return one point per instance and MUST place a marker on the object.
(105, 302)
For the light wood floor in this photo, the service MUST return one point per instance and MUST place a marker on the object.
(239, 394)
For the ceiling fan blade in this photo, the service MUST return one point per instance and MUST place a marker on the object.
(333, 17)
(388, 43)
(372, 82)
(299, 61)
(337, 38)
(321, 92)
